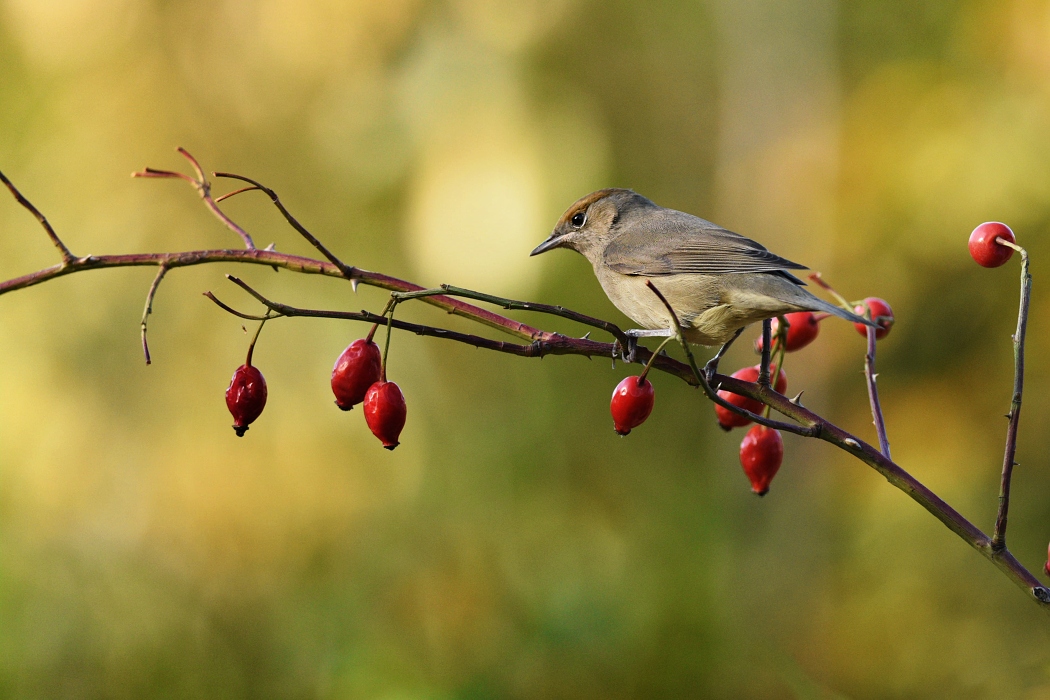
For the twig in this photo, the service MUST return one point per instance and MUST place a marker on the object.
(204, 189)
(348, 271)
(999, 534)
(873, 394)
(148, 309)
(67, 257)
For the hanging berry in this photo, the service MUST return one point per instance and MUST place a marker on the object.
(761, 454)
(985, 249)
(880, 312)
(385, 412)
(632, 402)
(246, 395)
(384, 405)
(358, 367)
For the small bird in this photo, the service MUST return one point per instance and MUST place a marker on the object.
(718, 282)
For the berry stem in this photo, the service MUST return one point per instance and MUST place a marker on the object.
(652, 359)
(389, 313)
(371, 332)
(873, 393)
(251, 347)
(999, 534)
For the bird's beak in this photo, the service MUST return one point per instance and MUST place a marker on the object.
(554, 241)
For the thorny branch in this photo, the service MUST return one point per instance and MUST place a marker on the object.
(542, 343)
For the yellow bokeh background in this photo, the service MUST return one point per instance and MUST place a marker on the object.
(513, 546)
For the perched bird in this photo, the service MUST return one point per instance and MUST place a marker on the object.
(717, 281)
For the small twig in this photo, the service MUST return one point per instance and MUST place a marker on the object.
(999, 534)
(873, 394)
(235, 312)
(348, 271)
(204, 189)
(148, 309)
(67, 257)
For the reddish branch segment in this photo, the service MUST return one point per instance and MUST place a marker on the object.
(804, 422)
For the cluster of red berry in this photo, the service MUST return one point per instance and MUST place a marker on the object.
(762, 449)
(359, 376)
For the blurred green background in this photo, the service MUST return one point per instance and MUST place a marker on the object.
(513, 546)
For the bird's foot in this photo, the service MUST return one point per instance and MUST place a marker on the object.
(711, 368)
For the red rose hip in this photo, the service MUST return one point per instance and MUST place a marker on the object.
(632, 402)
(358, 368)
(727, 420)
(385, 412)
(761, 454)
(246, 397)
(803, 328)
(985, 249)
(881, 314)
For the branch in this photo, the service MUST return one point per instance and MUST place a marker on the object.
(555, 345)
(67, 257)
(999, 536)
(610, 328)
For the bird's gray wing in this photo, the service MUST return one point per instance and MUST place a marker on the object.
(681, 243)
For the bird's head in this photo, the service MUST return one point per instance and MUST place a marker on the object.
(589, 224)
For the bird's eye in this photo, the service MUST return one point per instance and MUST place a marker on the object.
(578, 219)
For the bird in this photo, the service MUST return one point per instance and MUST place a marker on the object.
(718, 282)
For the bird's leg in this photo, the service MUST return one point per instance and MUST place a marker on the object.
(712, 365)
(763, 370)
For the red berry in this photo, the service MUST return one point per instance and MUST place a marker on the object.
(728, 420)
(246, 397)
(984, 248)
(761, 453)
(358, 368)
(632, 402)
(803, 328)
(1046, 566)
(385, 412)
(881, 314)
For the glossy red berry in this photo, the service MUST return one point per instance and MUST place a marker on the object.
(881, 314)
(632, 402)
(761, 454)
(358, 368)
(803, 328)
(246, 397)
(385, 412)
(727, 420)
(1046, 566)
(984, 248)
